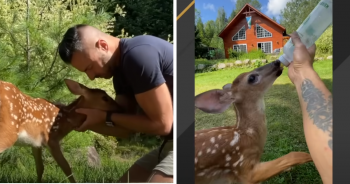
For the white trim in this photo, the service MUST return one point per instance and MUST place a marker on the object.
(257, 45)
(175, 92)
(246, 47)
(245, 34)
(256, 30)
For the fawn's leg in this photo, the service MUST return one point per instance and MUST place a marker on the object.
(266, 170)
(37, 153)
(61, 161)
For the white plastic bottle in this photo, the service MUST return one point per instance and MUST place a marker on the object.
(311, 29)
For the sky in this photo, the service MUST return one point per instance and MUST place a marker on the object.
(208, 8)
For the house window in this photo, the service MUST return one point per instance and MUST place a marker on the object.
(240, 35)
(262, 32)
(266, 47)
(240, 48)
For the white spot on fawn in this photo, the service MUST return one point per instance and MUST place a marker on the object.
(212, 140)
(213, 152)
(223, 150)
(208, 150)
(219, 136)
(199, 153)
(195, 160)
(203, 144)
(235, 139)
(238, 161)
(201, 174)
(228, 157)
(216, 172)
(250, 131)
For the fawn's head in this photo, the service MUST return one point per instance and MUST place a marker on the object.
(88, 98)
(246, 88)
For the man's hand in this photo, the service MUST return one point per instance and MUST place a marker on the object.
(302, 59)
(93, 117)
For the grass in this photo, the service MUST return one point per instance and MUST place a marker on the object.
(17, 164)
(284, 118)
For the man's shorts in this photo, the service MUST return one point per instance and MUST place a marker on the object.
(150, 160)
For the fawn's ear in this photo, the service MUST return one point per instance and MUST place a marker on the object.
(75, 87)
(227, 86)
(214, 101)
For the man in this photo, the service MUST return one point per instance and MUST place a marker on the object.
(142, 71)
(316, 105)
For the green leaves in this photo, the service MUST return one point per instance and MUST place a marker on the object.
(46, 24)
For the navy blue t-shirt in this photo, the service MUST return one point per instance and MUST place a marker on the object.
(145, 62)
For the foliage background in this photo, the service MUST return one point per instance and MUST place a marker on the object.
(30, 32)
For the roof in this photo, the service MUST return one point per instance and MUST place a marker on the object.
(240, 13)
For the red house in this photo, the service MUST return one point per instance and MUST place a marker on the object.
(264, 33)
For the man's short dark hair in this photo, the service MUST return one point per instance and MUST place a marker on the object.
(70, 43)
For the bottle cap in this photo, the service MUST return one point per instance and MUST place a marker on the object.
(283, 60)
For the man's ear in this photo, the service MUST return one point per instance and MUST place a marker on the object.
(214, 101)
(75, 87)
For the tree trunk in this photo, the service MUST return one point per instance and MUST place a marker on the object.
(27, 49)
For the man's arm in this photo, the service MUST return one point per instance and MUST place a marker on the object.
(158, 118)
(317, 109)
(143, 72)
(316, 105)
(129, 105)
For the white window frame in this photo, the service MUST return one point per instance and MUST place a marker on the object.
(257, 45)
(256, 30)
(246, 47)
(245, 34)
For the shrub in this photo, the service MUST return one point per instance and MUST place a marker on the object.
(325, 43)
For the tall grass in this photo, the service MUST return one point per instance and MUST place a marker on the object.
(17, 164)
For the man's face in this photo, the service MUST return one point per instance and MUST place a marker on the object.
(93, 62)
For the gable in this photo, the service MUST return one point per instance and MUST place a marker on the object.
(260, 28)
(241, 15)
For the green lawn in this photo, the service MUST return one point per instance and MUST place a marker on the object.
(284, 119)
(17, 164)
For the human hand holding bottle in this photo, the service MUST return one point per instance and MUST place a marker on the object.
(303, 59)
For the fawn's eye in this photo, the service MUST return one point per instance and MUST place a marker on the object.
(252, 79)
(104, 98)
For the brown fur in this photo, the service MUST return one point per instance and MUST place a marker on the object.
(238, 159)
(47, 123)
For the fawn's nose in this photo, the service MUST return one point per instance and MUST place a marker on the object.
(277, 63)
